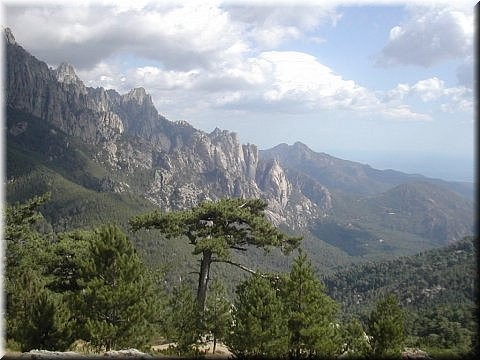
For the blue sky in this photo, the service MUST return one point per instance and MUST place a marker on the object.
(384, 83)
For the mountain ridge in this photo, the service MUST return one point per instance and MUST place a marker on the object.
(175, 166)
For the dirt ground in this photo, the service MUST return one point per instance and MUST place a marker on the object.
(221, 351)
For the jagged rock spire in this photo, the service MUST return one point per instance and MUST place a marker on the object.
(9, 36)
(65, 73)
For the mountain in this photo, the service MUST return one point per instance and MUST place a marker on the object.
(349, 176)
(107, 156)
(182, 165)
(372, 210)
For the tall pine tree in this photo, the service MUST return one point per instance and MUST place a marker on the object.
(116, 301)
(310, 312)
(215, 229)
(386, 326)
(260, 327)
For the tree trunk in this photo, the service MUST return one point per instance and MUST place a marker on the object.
(203, 278)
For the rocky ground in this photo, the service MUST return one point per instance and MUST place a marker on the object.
(221, 352)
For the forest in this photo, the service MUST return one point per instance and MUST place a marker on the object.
(93, 286)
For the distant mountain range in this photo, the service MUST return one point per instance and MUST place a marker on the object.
(107, 156)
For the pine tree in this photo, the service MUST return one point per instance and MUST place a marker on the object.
(217, 315)
(183, 325)
(216, 228)
(260, 327)
(35, 316)
(355, 339)
(311, 313)
(47, 324)
(386, 326)
(116, 301)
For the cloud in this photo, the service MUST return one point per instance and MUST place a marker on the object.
(450, 99)
(296, 82)
(429, 89)
(269, 26)
(274, 82)
(179, 37)
(429, 36)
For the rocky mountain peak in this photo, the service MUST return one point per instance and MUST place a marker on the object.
(140, 96)
(65, 73)
(301, 147)
(9, 36)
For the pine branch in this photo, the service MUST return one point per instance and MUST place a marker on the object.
(238, 248)
(247, 269)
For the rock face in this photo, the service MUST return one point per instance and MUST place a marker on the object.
(176, 166)
(180, 165)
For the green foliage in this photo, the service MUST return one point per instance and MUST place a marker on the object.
(220, 226)
(117, 301)
(217, 317)
(183, 321)
(67, 255)
(355, 340)
(437, 286)
(46, 324)
(83, 284)
(260, 327)
(215, 228)
(35, 317)
(310, 312)
(386, 326)
(452, 328)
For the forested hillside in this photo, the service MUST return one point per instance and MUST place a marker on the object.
(63, 288)
(438, 288)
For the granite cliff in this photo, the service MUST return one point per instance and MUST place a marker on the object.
(138, 151)
(183, 165)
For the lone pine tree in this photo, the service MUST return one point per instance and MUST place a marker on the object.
(216, 228)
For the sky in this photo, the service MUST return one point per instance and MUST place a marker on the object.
(387, 83)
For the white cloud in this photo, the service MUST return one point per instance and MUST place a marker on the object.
(398, 93)
(459, 98)
(269, 26)
(451, 99)
(430, 35)
(297, 82)
(403, 112)
(429, 89)
(179, 37)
